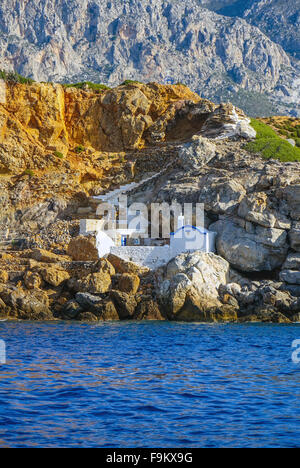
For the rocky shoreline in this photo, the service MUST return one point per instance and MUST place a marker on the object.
(73, 144)
(193, 287)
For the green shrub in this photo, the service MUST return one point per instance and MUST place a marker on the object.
(270, 145)
(29, 172)
(59, 155)
(283, 132)
(79, 149)
(13, 77)
(98, 87)
(129, 82)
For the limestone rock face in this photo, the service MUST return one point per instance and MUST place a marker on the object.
(168, 42)
(197, 153)
(258, 209)
(278, 20)
(228, 121)
(255, 249)
(41, 123)
(221, 195)
(290, 276)
(190, 290)
(294, 236)
(292, 195)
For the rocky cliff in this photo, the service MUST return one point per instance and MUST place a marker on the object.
(279, 19)
(60, 146)
(101, 41)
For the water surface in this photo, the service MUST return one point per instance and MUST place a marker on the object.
(149, 385)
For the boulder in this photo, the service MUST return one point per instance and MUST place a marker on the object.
(148, 310)
(292, 262)
(228, 121)
(4, 276)
(129, 283)
(94, 283)
(294, 237)
(258, 208)
(107, 312)
(206, 272)
(291, 194)
(44, 256)
(32, 280)
(83, 249)
(125, 304)
(190, 289)
(122, 266)
(26, 307)
(103, 309)
(265, 316)
(103, 265)
(4, 311)
(173, 293)
(221, 195)
(87, 317)
(261, 249)
(290, 276)
(195, 154)
(71, 310)
(203, 309)
(54, 276)
(88, 301)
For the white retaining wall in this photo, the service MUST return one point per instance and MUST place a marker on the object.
(151, 257)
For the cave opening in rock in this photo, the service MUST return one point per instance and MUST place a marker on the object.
(184, 126)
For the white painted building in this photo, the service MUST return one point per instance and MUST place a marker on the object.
(130, 240)
(188, 238)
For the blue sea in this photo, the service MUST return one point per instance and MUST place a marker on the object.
(152, 384)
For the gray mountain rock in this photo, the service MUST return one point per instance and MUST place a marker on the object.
(102, 41)
(279, 19)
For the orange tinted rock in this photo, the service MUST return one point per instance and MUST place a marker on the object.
(83, 248)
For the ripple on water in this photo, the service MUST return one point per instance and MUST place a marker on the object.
(149, 385)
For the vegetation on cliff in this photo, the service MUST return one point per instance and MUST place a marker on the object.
(97, 87)
(14, 77)
(288, 127)
(270, 145)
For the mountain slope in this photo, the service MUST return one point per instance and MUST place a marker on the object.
(101, 41)
(278, 19)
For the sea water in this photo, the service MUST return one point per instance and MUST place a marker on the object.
(154, 384)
